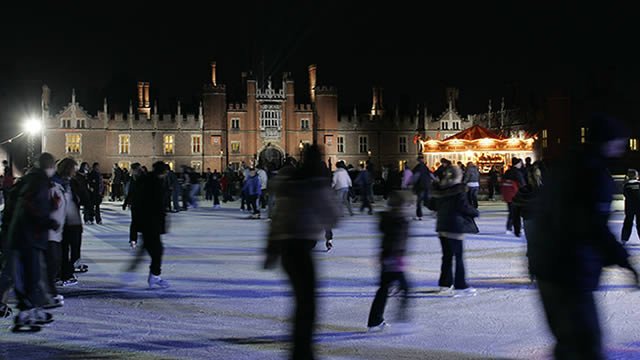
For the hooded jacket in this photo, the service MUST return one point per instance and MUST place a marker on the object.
(454, 212)
(341, 179)
(31, 221)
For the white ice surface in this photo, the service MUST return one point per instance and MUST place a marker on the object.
(222, 305)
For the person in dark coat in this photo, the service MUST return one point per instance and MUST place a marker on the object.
(252, 191)
(305, 208)
(215, 187)
(151, 221)
(131, 201)
(421, 184)
(28, 236)
(395, 229)
(511, 182)
(96, 191)
(494, 182)
(471, 178)
(363, 181)
(631, 205)
(524, 204)
(572, 241)
(454, 219)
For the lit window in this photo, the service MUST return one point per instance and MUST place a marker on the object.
(583, 135)
(169, 144)
(363, 140)
(171, 164)
(340, 144)
(196, 144)
(196, 166)
(235, 146)
(633, 144)
(402, 142)
(544, 138)
(124, 165)
(304, 124)
(74, 143)
(123, 144)
(235, 123)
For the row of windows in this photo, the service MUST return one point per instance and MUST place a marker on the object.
(66, 123)
(74, 144)
(363, 144)
(454, 125)
(195, 164)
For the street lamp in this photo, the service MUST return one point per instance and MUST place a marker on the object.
(31, 127)
(301, 147)
(221, 155)
(369, 153)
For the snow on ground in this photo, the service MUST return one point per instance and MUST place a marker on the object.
(222, 305)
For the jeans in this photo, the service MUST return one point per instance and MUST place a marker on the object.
(473, 196)
(153, 245)
(343, 195)
(70, 249)
(28, 266)
(216, 198)
(513, 219)
(422, 199)
(366, 201)
(54, 254)
(627, 226)
(92, 210)
(451, 248)
(195, 188)
(252, 204)
(573, 320)
(376, 315)
(298, 264)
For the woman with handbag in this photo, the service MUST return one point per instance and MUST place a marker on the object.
(454, 219)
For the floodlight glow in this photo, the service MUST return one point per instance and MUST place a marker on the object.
(32, 126)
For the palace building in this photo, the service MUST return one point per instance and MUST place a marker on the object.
(266, 126)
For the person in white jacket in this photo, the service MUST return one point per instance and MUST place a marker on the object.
(57, 193)
(262, 176)
(341, 183)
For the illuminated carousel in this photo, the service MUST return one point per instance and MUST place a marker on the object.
(478, 145)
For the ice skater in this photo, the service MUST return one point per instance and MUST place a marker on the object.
(151, 223)
(454, 219)
(631, 205)
(395, 229)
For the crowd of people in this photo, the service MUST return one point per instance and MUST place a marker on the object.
(564, 221)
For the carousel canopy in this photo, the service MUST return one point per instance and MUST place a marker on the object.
(475, 132)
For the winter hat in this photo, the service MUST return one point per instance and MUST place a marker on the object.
(605, 128)
(452, 175)
(632, 174)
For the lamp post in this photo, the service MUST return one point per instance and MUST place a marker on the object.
(369, 153)
(31, 127)
(221, 155)
(301, 147)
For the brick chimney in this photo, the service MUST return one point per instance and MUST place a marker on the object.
(312, 81)
(213, 73)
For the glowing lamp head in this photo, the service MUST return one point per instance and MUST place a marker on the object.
(32, 126)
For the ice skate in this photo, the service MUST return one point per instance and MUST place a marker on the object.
(133, 244)
(81, 268)
(447, 291)
(466, 292)
(155, 280)
(73, 280)
(329, 245)
(5, 311)
(56, 302)
(379, 328)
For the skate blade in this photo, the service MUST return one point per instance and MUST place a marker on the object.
(26, 329)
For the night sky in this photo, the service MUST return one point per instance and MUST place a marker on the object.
(414, 52)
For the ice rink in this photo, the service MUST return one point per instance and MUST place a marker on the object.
(222, 305)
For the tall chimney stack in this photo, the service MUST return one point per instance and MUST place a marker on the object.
(146, 95)
(376, 103)
(140, 94)
(312, 81)
(213, 73)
